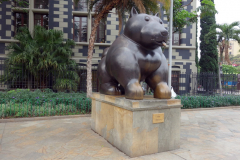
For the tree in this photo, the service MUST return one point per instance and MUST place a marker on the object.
(209, 54)
(229, 69)
(235, 59)
(182, 17)
(42, 56)
(224, 32)
(103, 7)
(20, 3)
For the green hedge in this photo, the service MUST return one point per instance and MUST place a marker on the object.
(208, 101)
(25, 103)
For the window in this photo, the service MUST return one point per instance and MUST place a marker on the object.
(22, 3)
(175, 81)
(101, 30)
(41, 19)
(80, 6)
(80, 29)
(41, 4)
(21, 20)
(176, 38)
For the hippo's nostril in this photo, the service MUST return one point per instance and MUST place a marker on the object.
(164, 33)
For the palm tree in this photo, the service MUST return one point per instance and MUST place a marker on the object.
(103, 7)
(42, 55)
(225, 32)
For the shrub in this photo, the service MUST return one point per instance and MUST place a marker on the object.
(43, 57)
(208, 101)
(25, 103)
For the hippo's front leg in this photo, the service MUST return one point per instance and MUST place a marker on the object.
(125, 69)
(158, 82)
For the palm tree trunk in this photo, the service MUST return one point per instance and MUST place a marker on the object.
(221, 56)
(222, 46)
(221, 53)
(120, 19)
(226, 54)
(97, 20)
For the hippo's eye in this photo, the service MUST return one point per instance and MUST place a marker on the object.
(147, 18)
(160, 22)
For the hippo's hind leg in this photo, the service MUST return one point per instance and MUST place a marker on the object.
(158, 82)
(108, 85)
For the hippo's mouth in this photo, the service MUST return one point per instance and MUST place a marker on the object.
(161, 43)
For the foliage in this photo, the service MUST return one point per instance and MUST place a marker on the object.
(209, 54)
(235, 59)
(224, 32)
(24, 103)
(20, 3)
(182, 17)
(142, 6)
(25, 94)
(229, 69)
(42, 54)
(208, 101)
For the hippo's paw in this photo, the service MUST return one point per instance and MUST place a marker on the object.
(110, 89)
(162, 91)
(134, 91)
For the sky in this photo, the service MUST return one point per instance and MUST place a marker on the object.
(228, 12)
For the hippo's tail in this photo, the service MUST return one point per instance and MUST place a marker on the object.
(104, 52)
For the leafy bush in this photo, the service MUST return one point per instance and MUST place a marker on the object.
(43, 57)
(208, 101)
(25, 103)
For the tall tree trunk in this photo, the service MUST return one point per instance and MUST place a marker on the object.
(226, 54)
(219, 80)
(221, 57)
(221, 51)
(120, 19)
(222, 46)
(97, 20)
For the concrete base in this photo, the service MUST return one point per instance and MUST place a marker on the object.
(133, 126)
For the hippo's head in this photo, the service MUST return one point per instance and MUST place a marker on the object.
(146, 30)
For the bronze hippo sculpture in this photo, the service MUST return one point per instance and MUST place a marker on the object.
(134, 56)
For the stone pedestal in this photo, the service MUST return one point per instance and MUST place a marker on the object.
(137, 127)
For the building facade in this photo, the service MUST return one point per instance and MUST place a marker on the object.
(234, 48)
(75, 22)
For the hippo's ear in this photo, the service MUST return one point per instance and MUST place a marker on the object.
(157, 14)
(133, 12)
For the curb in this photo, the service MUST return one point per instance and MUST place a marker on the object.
(42, 118)
(213, 108)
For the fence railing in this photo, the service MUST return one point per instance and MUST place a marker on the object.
(204, 83)
(182, 83)
(22, 79)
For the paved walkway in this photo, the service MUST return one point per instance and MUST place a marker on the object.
(205, 134)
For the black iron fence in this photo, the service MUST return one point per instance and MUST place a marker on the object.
(182, 83)
(22, 79)
(204, 83)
